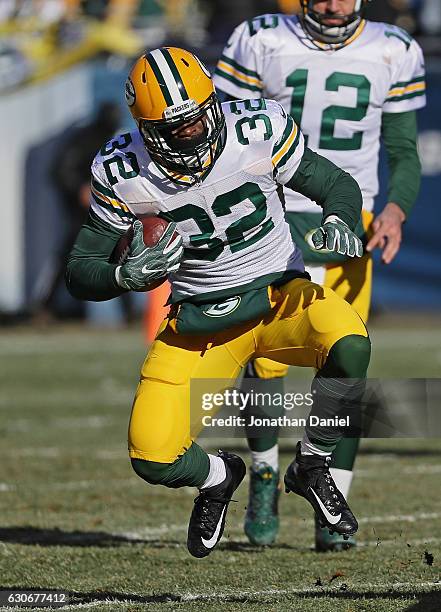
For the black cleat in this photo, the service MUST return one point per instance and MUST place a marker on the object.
(325, 541)
(309, 477)
(207, 520)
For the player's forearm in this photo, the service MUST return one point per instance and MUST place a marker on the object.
(399, 132)
(89, 275)
(336, 191)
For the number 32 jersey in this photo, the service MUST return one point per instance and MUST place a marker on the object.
(232, 222)
(336, 96)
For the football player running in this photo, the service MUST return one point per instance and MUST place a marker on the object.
(346, 82)
(213, 171)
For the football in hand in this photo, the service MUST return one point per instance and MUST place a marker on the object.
(153, 229)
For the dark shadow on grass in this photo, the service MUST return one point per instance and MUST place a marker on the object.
(427, 602)
(245, 547)
(57, 537)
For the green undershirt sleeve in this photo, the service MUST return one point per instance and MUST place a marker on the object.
(336, 191)
(89, 275)
(399, 133)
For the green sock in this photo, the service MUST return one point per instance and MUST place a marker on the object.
(267, 437)
(338, 388)
(344, 455)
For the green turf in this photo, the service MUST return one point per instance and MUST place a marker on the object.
(75, 517)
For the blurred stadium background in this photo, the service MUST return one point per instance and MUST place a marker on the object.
(60, 60)
(66, 387)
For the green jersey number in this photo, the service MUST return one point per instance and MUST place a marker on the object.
(123, 141)
(117, 162)
(235, 232)
(262, 23)
(298, 80)
(223, 204)
(251, 122)
(204, 223)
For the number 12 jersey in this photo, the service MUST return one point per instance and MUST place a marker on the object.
(337, 97)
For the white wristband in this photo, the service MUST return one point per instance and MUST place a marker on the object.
(333, 219)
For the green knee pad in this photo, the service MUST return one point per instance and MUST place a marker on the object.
(189, 470)
(348, 358)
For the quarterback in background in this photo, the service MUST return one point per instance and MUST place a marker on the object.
(347, 83)
(213, 173)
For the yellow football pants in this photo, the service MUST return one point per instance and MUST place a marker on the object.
(304, 324)
(352, 281)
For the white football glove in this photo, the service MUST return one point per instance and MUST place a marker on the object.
(147, 264)
(335, 236)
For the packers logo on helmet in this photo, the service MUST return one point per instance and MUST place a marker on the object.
(317, 30)
(170, 90)
(130, 92)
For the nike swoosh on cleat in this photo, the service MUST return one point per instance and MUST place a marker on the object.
(329, 517)
(213, 540)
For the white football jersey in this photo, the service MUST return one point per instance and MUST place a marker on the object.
(336, 96)
(232, 222)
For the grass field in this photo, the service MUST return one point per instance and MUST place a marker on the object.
(75, 517)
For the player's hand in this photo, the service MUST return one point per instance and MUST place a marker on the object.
(387, 232)
(335, 236)
(147, 264)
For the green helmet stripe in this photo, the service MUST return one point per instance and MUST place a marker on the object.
(175, 72)
(160, 78)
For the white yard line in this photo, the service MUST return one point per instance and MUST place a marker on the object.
(69, 485)
(391, 339)
(366, 520)
(70, 342)
(68, 345)
(93, 421)
(404, 518)
(164, 529)
(6, 487)
(391, 518)
(147, 532)
(98, 421)
(54, 452)
(423, 468)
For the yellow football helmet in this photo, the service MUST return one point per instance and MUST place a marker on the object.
(166, 90)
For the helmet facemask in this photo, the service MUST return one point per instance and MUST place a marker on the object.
(317, 30)
(190, 156)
